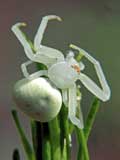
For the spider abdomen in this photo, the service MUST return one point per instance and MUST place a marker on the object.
(37, 98)
(62, 75)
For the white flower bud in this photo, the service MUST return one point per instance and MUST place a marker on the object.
(37, 98)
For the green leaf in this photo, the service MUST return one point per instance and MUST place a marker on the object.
(91, 117)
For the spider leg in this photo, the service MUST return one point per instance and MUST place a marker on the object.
(33, 75)
(41, 29)
(48, 54)
(24, 68)
(82, 66)
(38, 57)
(104, 93)
(21, 37)
(65, 97)
(72, 108)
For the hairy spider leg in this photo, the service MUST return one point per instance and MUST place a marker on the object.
(104, 93)
(72, 108)
(39, 35)
(33, 75)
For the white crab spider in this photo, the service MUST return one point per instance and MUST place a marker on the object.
(63, 72)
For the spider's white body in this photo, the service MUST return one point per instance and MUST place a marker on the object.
(37, 98)
(62, 74)
(61, 71)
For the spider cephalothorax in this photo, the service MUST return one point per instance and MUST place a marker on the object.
(62, 71)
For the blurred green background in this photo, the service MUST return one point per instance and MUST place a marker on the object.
(92, 25)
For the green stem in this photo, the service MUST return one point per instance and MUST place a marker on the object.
(27, 147)
(68, 139)
(55, 139)
(34, 135)
(46, 149)
(89, 124)
(65, 133)
(82, 141)
(41, 140)
(91, 117)
(46, 146)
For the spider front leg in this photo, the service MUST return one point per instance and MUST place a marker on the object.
(33, 75)
(28, 50)
(21, 37)
(44, 55)
(39, 35)
(104, 93)
(72, 108)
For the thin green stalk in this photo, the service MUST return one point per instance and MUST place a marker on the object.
(46, 149)
(64, 151)
(91, 117)
(34, 135)
(82, 141)
(89, 124)
(55, 139)
(67, 139)
(46, 146)
(41, 140)
(27, 147)
(65, 133)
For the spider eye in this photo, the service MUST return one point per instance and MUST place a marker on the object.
(37, 98)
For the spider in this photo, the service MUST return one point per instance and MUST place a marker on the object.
(62, 71)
